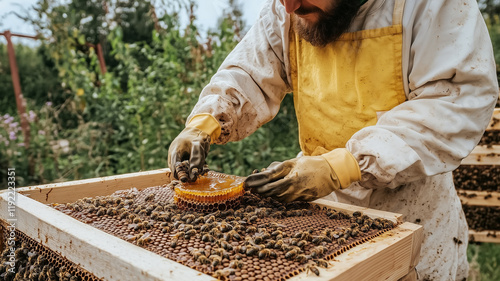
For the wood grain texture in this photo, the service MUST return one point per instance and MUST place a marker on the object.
(483, 155)
(397, 218)
(479, 198)
(487, 236)
(495, 121)
(73, 190)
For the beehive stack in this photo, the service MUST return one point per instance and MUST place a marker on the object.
(477, 182)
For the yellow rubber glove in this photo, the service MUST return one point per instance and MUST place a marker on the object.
(306, 178)
(193, 143)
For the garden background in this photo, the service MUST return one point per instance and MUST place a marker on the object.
(85, 123)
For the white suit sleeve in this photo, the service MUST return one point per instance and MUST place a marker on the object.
(248, 88)
(452, 91)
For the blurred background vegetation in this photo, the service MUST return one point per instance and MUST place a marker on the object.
(86, 124)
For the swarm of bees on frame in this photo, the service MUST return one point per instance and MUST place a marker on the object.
(35, 263)
(254, 230)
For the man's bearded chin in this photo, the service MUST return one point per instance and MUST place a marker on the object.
(330, 25)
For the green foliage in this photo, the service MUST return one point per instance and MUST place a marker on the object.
(484, 261)
(124, 121)
(38, 78)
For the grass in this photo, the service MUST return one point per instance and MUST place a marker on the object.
(484, 262)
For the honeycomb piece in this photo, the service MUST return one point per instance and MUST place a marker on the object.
(209, 193)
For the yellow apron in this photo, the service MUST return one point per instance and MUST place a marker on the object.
(340, 88)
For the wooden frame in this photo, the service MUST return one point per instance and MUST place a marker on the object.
(484, 236)
(479, 198)
(107, 256)
(483, 155)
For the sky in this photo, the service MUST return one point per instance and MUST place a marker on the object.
(207, 14)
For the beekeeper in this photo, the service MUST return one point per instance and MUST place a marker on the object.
(389, 95)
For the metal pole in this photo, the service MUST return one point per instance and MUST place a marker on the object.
(21, 103)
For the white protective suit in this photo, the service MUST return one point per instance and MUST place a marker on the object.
(406, 159)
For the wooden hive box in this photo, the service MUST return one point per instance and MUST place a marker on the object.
(389, 256)
(480, 156)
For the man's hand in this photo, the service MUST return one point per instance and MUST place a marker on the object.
(306, 178)
(193, 144)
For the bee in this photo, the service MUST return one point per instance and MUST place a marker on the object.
(196, 253)
(189, 218)
(355, 232)
(249, 209)
(215, 259)
(322, 263)
(173, 242)
(101, 212)
(137, 220)
(251, 229)
(199, 220)
(207, 238)
(270, 244)
(179, 234)
(302, 258)
(124, 215)
(143, 213)
(265, 235)
(189, 234)
(238, 257)
(226, 246)
(188, 227)
(146, 224)
(365, 228)
(278, 244)
(252, 219)
(217, 251)
(313, 269)
(234, 234)
(223, 273)
(317, 251)
(321, 238)
(264, 253)
(205, 227)
(203, 259)
(141, 242)
(210, 219)
(257, 240)
(235, 264)
(291, 254)
(302, 243)
(91, 208)
(137, 210)
(251, 251)
(357, 214)
(341, 241)
(154, 215)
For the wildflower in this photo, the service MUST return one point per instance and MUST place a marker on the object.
(41, 132)
(49, 103)
(31, 116)
(20, 144)
(12, 136)
(80, 92)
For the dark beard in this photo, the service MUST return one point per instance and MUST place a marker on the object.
(331, 24)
